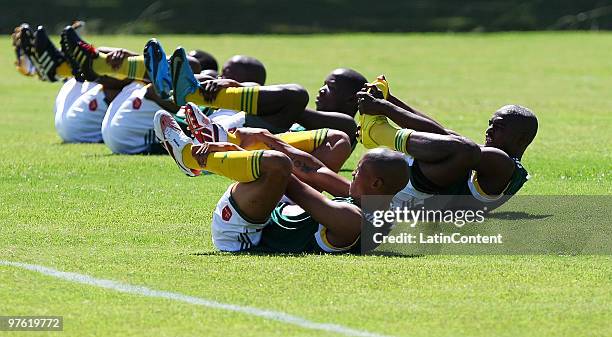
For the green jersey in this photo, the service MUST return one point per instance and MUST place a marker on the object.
(298, 233)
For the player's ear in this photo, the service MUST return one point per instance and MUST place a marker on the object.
(378, 183)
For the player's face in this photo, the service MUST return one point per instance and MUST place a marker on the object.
(496, 132)
(333, 96)
(361, 179)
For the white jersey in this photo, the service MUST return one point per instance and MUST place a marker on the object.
(128, 125)
(79, 110)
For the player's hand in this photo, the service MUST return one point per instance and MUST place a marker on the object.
(251, 138)
(210, 89)
(373, 90)
(116, 57)
(370, 105)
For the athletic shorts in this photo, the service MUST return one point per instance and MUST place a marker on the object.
(79, 111)
(127, 127)
(234, 232)
(231, 230)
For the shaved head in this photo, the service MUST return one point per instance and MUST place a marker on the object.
(511, 129)
(390, 166)
(244, 69)
(206, 60)
(379, 172)
(339, 91)
(349, 78)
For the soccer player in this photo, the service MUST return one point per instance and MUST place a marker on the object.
(330, 146)
(80, 105)
(490, 173)
(250, 213)
(281, 105)
(127, 127)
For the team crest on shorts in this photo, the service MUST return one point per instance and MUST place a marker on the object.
(136, 103)
(226, 213)
(93, 105)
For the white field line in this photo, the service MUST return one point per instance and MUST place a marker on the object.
(144, 291)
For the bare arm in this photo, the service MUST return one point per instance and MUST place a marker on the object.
(494, 170)
(396, 101)
(309, 169)
(370, 105)
(342, 220)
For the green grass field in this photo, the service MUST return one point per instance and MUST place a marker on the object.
(138, 220)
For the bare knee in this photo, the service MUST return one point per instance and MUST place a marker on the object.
(341, 144)
(297, 93)
(276, 165)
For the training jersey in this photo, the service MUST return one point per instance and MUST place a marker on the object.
(79, 111)
(298, 233)
(517, 180)
(419, 189)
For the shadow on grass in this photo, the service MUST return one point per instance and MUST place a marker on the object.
(299, 255)
(512, 215)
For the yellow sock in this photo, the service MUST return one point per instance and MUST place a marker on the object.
(133, 67)
(241, 166)
(387, 135)
(188, 158)
(64, 70)
(401, 140)
(306, 141)
(238, 98)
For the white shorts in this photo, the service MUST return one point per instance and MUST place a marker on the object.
(231, 232)
(127, 127)
(228, 119)
(79, 111)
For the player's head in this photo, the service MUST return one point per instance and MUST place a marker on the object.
(511, 129)
(194, 64)
(206, 60)
(339, 90)
(379, 172)
(244, 69)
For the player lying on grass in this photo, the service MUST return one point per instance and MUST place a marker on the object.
(490, 173)
(278, 105)
(449, 167)
(250, 214)
(332, 147)
(80, 105)
(126, 125)
(281, 105)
